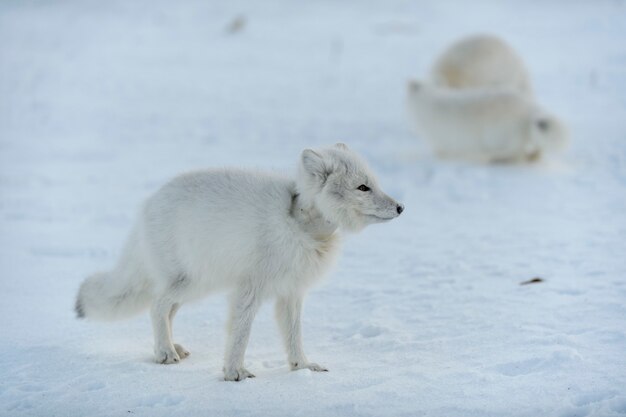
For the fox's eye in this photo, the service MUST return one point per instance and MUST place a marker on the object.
(363, 187)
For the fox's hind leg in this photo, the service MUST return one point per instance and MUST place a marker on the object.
(161, 314)
(182, 352)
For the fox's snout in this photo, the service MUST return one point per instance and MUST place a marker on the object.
(390, 209)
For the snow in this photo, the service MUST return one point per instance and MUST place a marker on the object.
(102, 102)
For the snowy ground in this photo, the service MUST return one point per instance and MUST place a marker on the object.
(101, 102)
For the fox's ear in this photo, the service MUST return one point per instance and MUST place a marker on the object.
(342, 146)
(314, 164)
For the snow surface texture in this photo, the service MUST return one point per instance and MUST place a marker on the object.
(102, 102)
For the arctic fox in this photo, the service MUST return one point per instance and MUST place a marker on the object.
(485, 125)
(256, 235)
(481, 61)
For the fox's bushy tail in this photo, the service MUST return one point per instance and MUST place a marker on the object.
(103, 297)
(117, 294)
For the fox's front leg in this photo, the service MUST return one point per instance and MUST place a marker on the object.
(244, 305)
(288, 311)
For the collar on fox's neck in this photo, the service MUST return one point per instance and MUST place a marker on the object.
(310, 219)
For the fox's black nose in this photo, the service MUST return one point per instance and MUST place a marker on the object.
(400, 208)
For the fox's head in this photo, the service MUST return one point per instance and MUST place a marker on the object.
(340, 185)
(548, 134)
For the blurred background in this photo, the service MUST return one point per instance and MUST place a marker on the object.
(102, 102)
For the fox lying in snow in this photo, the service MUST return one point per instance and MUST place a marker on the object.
(480, 106)
(257, 235)
(483, 125)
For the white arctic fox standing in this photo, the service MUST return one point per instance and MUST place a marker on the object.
(485, 125)
(259, 236)
(481, 61)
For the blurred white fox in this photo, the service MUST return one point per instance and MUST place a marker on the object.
(480, 106)
(481, 61)
(483, 124)
(257, 235)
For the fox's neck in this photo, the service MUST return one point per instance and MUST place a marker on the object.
(311, 220)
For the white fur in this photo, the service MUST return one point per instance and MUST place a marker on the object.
(481, 61)
(487, 125)
(256, 235)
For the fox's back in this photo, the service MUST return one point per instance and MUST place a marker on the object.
(215, 220)
(213, 195)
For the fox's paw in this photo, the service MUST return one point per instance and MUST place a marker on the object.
(237, 374)
(166, 356)
(182, 352)
(307, 365)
